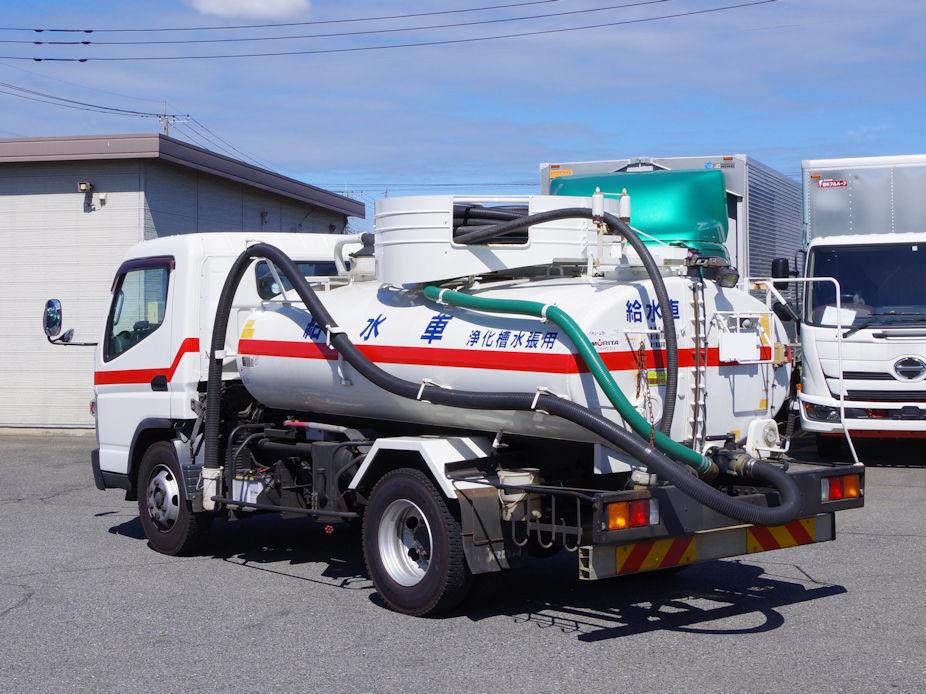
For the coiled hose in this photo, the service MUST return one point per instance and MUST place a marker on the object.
(615, 435)
(468, 218)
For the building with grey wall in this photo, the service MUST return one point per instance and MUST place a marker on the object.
(69, 209)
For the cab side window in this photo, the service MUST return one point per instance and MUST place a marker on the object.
(138, 306)
(267, 287)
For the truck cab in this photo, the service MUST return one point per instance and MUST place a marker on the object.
(863, 330)
(152, 355)
(863, 337)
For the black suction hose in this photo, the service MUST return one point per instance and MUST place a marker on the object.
(616, 225)
(605, 428)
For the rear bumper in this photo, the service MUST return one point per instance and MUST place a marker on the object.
(689, 532)
(683, 531)
(604, 561)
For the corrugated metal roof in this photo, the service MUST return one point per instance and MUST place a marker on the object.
(157, 146)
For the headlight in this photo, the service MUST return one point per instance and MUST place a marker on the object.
(821, 413)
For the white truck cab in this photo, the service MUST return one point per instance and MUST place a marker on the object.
(863, 329)
(153, 353)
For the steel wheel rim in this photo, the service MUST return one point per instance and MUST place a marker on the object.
(163, 496)
(405, 542)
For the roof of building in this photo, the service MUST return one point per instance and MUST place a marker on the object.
(158, 146)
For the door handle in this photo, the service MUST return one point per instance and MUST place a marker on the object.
(159, 383)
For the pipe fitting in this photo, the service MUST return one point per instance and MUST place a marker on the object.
(735, 462)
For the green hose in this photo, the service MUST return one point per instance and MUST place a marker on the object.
(589, 355)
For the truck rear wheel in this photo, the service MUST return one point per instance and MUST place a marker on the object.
(412, 546)
(169, 524)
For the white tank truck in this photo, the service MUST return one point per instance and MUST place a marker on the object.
(493, 377)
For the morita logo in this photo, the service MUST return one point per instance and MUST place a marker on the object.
(831, 183)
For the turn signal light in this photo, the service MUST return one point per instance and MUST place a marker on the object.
(633, 514)
(836, 488)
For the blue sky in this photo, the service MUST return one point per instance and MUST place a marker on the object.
(781, 80)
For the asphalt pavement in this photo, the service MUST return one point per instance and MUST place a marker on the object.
(284, 606)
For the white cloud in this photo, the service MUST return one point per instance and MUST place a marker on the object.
(867, 133)
(252, 9)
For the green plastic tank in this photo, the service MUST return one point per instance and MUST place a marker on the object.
(687, 207)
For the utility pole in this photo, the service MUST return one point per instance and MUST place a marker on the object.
(166, 120)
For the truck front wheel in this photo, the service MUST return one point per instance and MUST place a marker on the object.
(412, 545)
(169, 524)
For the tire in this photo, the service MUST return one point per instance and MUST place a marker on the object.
(412, 546)
(169, 524)
(829, 447)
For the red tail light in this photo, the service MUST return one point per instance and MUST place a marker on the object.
(842, 487)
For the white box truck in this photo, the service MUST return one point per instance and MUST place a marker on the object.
(863, 332)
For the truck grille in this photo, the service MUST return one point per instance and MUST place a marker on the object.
(886, 395)
(866, 376)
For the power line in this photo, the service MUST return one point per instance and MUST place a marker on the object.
(286, 24)
(191, 135)
(75, 84)
(341, 34)
(33, 95)
(445, 42)
(54, 103)
(199, 131)
(229, 145)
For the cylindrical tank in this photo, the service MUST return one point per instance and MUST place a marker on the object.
(285, 363)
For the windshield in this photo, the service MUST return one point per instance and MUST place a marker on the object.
(879, 285)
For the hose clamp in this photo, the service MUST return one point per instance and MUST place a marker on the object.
(541, 390)
(543, 312)
(426, 382)
(333, 330)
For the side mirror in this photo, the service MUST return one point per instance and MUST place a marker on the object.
(785, 312)
(51, 319)
(51, 323)
(780, 268)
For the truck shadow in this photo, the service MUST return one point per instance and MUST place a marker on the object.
(293, 547)
(718, 597)
(897, 453)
